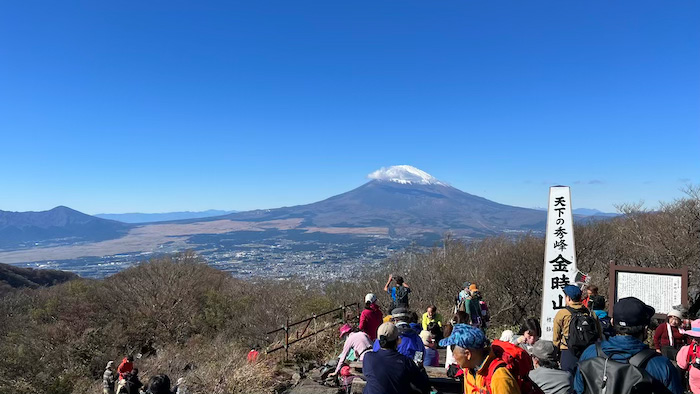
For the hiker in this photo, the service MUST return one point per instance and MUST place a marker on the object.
(591, 293)
(571, 346)
(597, 305)
(410, 342)
(108, 379)
(431, 316)
(132, 384)
(459, 318)
(483, 308)
(159, 384)
(253, 354)
(688, 357)
(431, 358)
(356, 341)
(126, 366)
(546, 373)
(389, 372)
(529, 333)
(484, 371)
(371, 317)
(668, 338)
(624, 360)
(464, 303)
(398, 293)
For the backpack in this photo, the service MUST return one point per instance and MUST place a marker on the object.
(583, 331)
(517, 361)
(693, 357)
(401, 297)
(602, 375)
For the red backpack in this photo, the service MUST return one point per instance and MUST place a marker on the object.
(517, 361)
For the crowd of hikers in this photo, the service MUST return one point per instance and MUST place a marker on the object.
(590, 352)
(126, 381)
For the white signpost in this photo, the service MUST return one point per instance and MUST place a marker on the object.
(559, 256)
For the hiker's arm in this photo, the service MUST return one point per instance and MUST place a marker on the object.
(388, 282)
(556, 331)
(682, 358)
(660, 330)
(341, 359)
(405, 285)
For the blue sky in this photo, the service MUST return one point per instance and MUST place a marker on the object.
(158, 106)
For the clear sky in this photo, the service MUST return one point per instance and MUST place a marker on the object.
(153, 106)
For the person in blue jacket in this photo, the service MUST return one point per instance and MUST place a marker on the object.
(410, 340)
(631, 317)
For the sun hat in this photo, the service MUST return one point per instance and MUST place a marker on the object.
(388, 331)
(466, 337)
(346, 328)
(694, 329)
(427, 337)
(371, 298)
(675, 313)
(473, 287)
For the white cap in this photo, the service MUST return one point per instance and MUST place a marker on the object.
(370, 297)
(676, 313)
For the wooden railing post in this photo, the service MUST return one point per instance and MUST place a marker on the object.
(286, 340)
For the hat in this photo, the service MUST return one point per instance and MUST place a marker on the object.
(371, 298)
(345, 371)
(346, 328)
(507, 335)
(544, 350)
(573, 292)
(427, 337)
(466, 337)
(676, 313)
(400, 313)
(388, 331)
(631, 311)
(466, 285)
(694, 329)
(473, 287)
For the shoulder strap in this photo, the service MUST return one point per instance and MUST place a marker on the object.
(600, 351)
(495, 366)
(640, 359)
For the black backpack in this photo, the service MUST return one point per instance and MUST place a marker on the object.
(602, 375)
(402, 297)
(583, 330)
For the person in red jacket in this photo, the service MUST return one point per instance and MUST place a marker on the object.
(667, 338)
(371, 317)
(126, 366)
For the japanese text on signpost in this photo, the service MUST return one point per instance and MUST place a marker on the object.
(560, 256)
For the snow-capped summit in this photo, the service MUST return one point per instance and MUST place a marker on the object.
(407, 175)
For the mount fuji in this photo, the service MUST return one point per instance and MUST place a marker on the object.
(406, 201)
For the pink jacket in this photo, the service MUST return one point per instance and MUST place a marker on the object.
(682, 360)
(370, 320)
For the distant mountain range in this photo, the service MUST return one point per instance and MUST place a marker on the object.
(161, 217)
(399, 202)
(58, 225)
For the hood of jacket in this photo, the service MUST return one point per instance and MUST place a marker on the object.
(622, 347)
